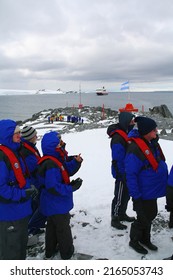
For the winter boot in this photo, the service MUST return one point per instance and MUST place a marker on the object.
(150, 245)
(67, 255)
(137, 247)
(126, 218)
(48, 258)
(146, 237)
(115, 222)
(169, 258)
(170, 224)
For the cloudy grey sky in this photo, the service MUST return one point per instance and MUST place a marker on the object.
(63, 43)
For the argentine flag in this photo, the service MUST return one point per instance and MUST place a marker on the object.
(125, 85)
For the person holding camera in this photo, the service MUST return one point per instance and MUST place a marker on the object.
(56, 198)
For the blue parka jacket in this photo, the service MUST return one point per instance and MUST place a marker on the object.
(119, 144)
(56, 196)
(118, 152)
(13, 203)
(142, 180)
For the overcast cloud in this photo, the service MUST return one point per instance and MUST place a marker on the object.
(62, 43)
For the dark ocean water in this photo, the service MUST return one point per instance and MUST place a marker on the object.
(22, 107)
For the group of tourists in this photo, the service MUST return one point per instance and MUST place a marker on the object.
(140, 172)
(35, 191)
(74, 119)
(55, 117)
(70, 118)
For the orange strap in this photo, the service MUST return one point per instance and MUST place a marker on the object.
(120, 132)
(60, 165)
(15, 166)
(27, 146)
(146, 151)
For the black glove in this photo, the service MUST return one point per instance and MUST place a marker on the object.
(31, 192)
(76, 184)
(169, 199)
(138, 207)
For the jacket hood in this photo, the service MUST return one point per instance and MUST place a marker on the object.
(112, 128)
(49, 142)
(7, 128)
(125, 119)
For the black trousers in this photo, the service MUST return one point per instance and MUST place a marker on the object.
(58, 232)
(13, 239)
(120, 200)
(140, 231)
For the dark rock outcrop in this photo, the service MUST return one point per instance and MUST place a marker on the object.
(162, 110)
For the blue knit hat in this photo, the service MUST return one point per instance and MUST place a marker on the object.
(145, 125)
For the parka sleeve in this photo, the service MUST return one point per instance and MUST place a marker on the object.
(72, 166)
(132, 168)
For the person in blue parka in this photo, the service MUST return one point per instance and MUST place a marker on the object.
(119, 142)
(15, 194)
(169, 202)
(169, 197)
(146, 175)
(57, 194)
(31, 155)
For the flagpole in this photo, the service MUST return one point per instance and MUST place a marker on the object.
(129, 107)
(80, 104)
(129, 93)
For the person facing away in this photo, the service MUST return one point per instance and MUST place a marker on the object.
(169, 197)
(146, 175)
(119, 141)
(169, 202)
(31, 156)
(15, 194)
(57, 195)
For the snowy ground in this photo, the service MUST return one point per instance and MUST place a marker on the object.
(90, 220)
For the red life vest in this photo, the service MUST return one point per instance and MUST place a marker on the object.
(120, 132)
(63, 153)
(147, 152)
(60, 165)
(31, 149)
(15, 164)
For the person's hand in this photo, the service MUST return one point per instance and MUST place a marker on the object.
(31, 192)
(138, 207)
(78, 158)
(76, 184)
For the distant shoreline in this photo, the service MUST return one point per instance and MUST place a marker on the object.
(15, 92)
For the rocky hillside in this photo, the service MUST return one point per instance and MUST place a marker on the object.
(97, 117)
